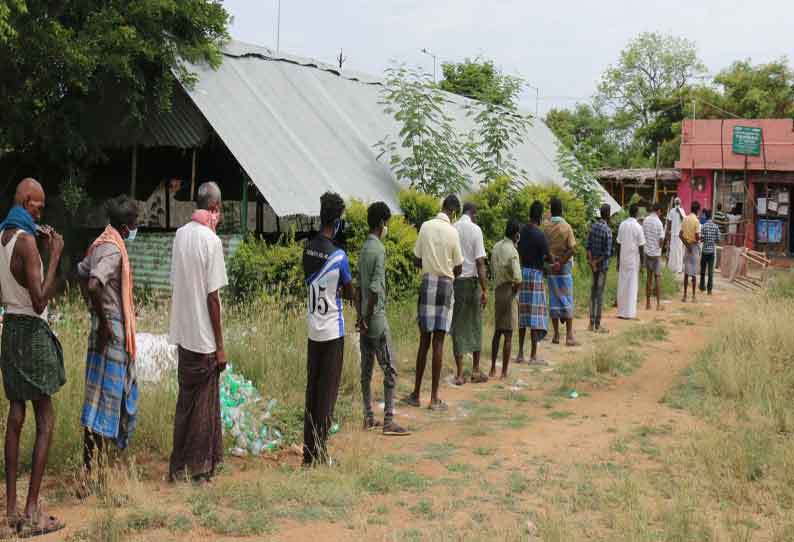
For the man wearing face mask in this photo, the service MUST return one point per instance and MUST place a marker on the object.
(111, 389)
(328, 280)
(31, 358)
(198, 272)
(372, 324)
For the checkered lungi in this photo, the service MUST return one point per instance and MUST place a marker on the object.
(532, 301)
(434, 309)
(692, 260)
(561, 294)
(110, 408)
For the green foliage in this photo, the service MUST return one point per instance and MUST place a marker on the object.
(588, 133)
(479, 80)
(580, 181)
(758, 92)
(260, 268)
(500, 201)
(429, 153)
(418, 207)
(64, 61)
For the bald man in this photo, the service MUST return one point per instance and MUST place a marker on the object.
(31, 357)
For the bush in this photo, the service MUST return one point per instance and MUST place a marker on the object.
(500, 201)
(418, 207)
(259, 267)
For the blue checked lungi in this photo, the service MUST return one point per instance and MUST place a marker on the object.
(532, 301)
(561, 294)
(436, 298)
(110, 408)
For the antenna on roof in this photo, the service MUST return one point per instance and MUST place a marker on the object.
(341, 58)
(278, 26)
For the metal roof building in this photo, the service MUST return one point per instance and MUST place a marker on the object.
(299, 128)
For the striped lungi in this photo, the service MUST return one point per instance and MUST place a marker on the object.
(434, 309)
(532, 301)
(561, 294)
(110, 408)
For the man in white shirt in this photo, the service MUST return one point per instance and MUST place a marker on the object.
(198, 272)
(675, 260)
(653, 229)
(471, 295)
(631, 240)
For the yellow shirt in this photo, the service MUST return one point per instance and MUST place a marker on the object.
(690, 228)
(438, 246)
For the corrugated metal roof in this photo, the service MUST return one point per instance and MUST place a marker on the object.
(299, 127)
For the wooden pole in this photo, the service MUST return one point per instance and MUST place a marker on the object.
(656, 178)
(193, 177)
(134, 174)
(244, 210)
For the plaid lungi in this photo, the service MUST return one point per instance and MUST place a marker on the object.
(466, 327)
(561, 294)
(434, 309)
(31, 359)
(692, 260)
(532, 301)
(110, 408)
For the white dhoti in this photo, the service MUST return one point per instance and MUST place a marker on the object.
(628, 288)
(630, 237)
(675, 260)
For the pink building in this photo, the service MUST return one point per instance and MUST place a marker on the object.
(757, 186)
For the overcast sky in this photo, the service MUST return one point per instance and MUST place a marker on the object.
(558, 46)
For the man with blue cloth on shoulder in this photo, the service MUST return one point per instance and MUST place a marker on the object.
(31, 357)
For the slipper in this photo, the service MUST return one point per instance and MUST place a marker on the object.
(372, 423)
(439, 406)
(391, 429)
(555, 341)
(539, 362)
(459, 381)
(479, 378)
(572, 343)
(602, 330)
(519, 361)
(410, 400)
(40, 524)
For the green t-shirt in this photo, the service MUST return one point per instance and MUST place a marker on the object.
(372, 279)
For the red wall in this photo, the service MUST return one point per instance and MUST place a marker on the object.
(688, 192)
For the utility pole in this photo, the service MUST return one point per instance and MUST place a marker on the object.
(428, 53)
(537, 99)
(278, 26)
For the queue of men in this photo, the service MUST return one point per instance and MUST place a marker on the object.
(449, 254)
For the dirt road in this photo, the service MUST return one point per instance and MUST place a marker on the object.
(492, 467)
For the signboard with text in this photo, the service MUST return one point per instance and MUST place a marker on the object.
(746, 140)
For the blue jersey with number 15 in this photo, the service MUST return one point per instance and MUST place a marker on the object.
(326, 269)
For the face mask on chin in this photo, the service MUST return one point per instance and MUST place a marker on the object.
(131, 235)
(385, 232)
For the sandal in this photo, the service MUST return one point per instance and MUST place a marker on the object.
(439, 406)
(410, 400)
(555, 341)
(479, 378)
(40, 524)
(372, 423)
(539, 362)
(572, 343)
(459, 381)
(391, 429)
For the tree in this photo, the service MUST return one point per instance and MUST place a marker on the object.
(580, 180)
(499, 128)
(64, 62)
(479, 80)
(762, 91)
(588, 133)
(429, 153)
(653, 66)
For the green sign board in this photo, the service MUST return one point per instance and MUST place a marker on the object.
(746, 140)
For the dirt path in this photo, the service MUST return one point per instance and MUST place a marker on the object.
(491, 431)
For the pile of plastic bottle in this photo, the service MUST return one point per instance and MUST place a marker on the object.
(246, 417)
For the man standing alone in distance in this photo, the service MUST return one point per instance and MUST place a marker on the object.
(710, 234)
(631, 240)
(471, 295)
(599, 250)
(328, 280)
(653, 229)
(32, 357)
(198, 272)
(437, 253)
(690, 237)
(506, 266)
(561, 245)
(372, 323)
